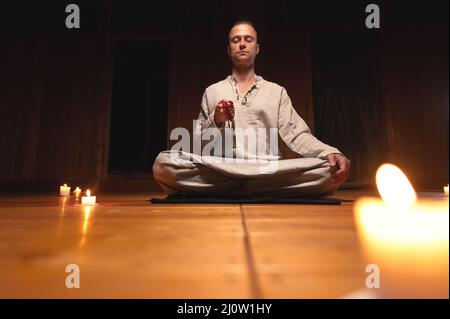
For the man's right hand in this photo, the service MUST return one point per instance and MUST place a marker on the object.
(224, 112)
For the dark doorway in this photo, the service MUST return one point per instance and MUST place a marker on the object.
(138, 129)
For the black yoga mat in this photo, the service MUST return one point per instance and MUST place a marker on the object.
(243, 200)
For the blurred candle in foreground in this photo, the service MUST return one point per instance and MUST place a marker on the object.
(88, 199)
(407, 238)
(446, 190)
(64, 190)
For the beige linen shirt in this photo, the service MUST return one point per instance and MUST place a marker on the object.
(266, 105)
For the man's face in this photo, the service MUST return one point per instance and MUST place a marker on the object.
(243, 44)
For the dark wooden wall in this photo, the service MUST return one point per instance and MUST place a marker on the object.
(51, 113)
(56, 87)
(414, 91)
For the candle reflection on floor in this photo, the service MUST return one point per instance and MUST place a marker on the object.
(87, 210)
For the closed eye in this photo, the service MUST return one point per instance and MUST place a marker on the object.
(247, 38)
(235, 39)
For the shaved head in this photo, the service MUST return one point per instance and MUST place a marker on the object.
(241, 22)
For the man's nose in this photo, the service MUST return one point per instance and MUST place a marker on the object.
(242, 45)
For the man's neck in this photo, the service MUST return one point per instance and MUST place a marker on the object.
(244, 74)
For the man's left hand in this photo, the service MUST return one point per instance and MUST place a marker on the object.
(340, 167)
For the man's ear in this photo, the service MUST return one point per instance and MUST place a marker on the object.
(257, 49)
(228, 50)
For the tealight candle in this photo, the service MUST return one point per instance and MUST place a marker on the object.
(407, 238)
(64, 190)
(77, 192)
(88, 200)
(446, 190)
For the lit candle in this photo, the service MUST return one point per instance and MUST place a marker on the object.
(64, 190)
(88, 199)
(446, 190)
(407, 238)
(77, 192)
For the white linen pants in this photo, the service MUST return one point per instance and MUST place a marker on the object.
(184, 173)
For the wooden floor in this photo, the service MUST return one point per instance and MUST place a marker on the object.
(128, 248)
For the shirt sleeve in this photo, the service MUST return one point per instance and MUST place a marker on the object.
(296, 134)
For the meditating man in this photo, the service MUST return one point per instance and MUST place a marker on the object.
(241, 118)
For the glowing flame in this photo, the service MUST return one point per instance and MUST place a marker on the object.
(65, 185)
(394, 187)
(88, 193)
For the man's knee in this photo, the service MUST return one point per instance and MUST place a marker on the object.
(330, 186)
(327, 185)
(160, 169)
(162, 173)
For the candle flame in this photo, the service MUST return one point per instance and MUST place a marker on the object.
(88, 193)
(65, 185)
(394, 187)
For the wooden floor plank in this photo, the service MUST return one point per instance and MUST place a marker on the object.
(123, 249)
(305, 251)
